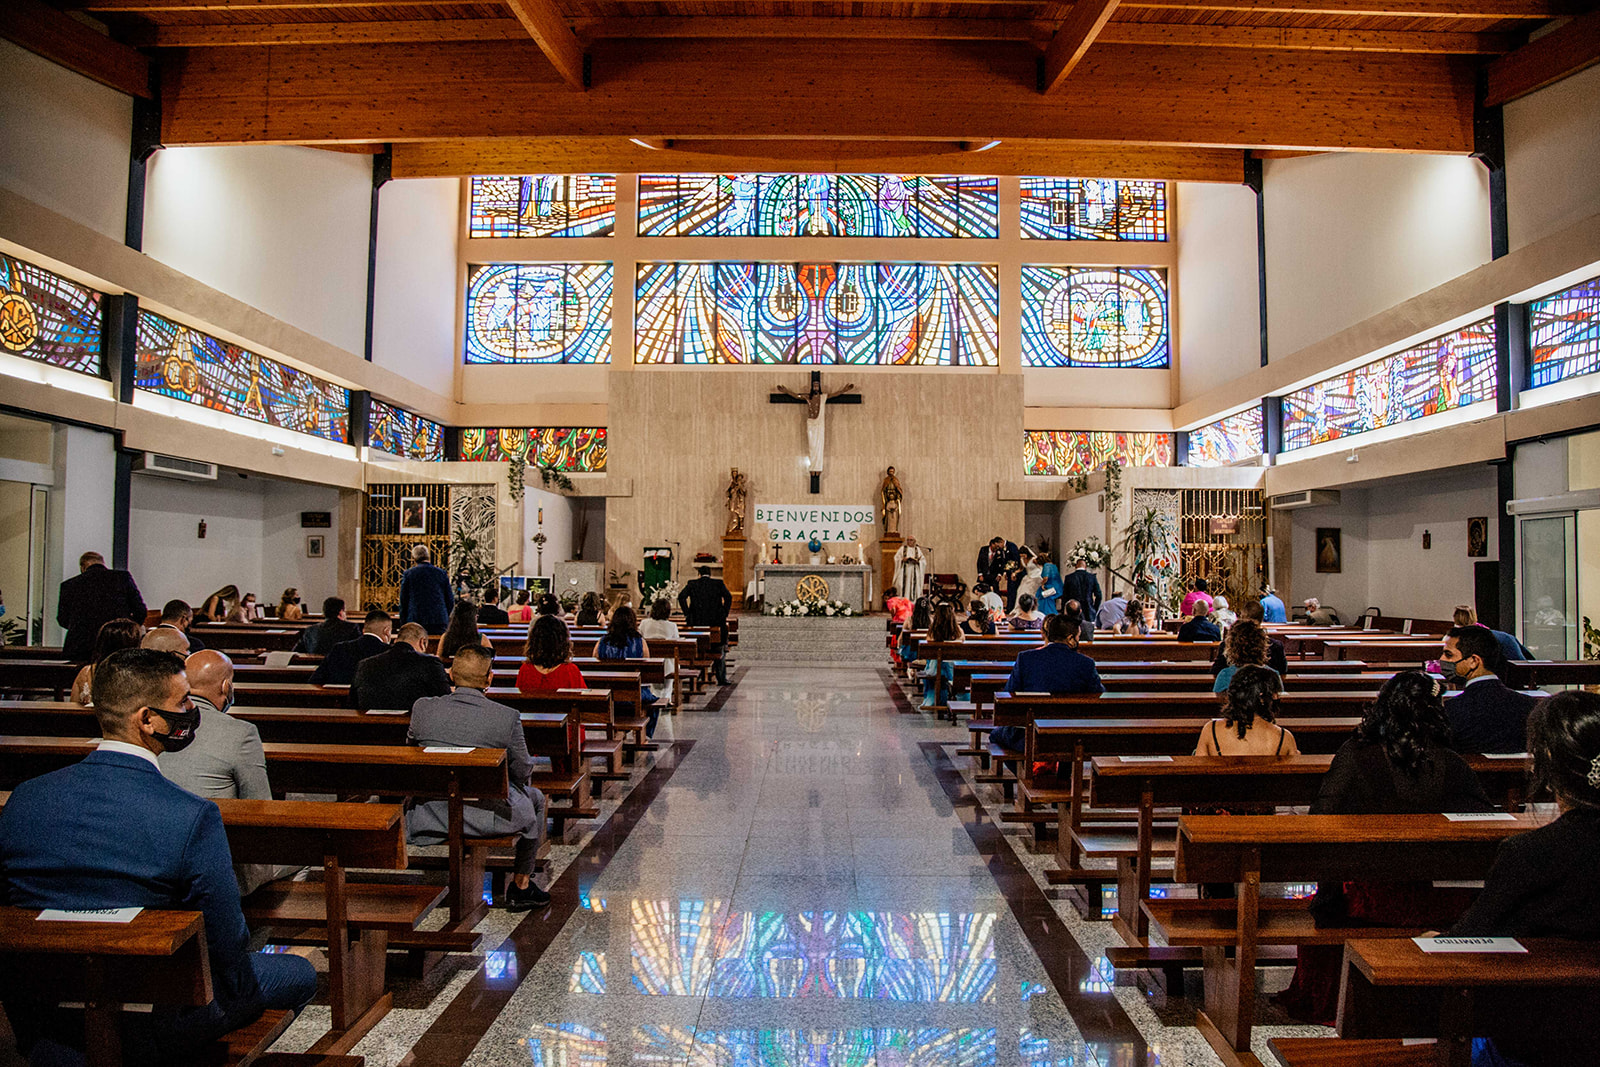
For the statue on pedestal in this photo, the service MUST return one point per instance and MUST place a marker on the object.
(890, 494)
(737, 492)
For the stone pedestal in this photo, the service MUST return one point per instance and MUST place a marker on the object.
(733, 569)
(888, 545)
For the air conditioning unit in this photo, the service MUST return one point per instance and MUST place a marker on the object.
(175, 467)
(1306, 498)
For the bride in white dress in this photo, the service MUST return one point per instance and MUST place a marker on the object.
(1032, 574)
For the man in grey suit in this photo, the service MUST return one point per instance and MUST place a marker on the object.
(226, 759)
(468, 718)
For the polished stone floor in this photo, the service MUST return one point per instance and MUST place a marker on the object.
(803, 876)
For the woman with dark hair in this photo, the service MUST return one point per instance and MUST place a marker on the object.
(520, 611)
(549, 658)
(1399, 762)
(936, 677)
(1133, 622)
(1027, 616)
(549, 604)
(1546, 883)
(1245, 644)
(462, 631)
(1248, 726)
(660, 626)
(591, 612)
(113, 636)
(979, 623)
(623, 641)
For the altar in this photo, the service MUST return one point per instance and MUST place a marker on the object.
(847, 582)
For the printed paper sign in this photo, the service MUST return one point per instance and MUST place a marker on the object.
(387, 711)
(451, 749)
(1145, 759)
(827, 523)
(1479, 816)
(1469, 944)
(89, 915)
(1506, 755)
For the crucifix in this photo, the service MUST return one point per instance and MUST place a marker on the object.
(816, 401)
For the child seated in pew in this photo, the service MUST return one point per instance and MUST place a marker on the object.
(1399, 762)
(623, 641)
(549, 658)
(1544, 883)
(1246, 644)
(1249, 716)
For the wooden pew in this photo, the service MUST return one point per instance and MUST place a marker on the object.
(1533, 673)
(1250, 849)
(1394, 653)
(271, 637)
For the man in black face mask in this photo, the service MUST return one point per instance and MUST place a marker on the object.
(111, 832)
(1487, 715)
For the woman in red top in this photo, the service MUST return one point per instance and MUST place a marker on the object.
(549, 664)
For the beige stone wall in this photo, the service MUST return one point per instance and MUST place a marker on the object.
(951, 437)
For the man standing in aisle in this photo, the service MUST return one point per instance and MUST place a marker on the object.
(92, 598)
(425, 594)
(705, 602)
(1081, 585)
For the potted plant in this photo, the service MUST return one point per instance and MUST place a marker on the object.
(1151, 545)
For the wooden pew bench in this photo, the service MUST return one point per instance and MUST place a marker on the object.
(1248, 850)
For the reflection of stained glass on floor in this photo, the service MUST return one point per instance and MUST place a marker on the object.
(588, 973)
(1565, 331)
(45, 317)
(567, 1045)
(402, 433)
(185, 364)
(543, 205)
(817, 205)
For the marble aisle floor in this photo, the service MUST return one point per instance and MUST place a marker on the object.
(810, 885)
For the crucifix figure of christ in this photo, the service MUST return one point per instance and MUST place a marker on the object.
(816, 402)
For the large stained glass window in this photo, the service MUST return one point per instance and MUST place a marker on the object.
(404, 434)
(889, 314)
(820, 205)
(188, 365)
(45, 317)
(1443, 374)
(1094, 317)
(560, 448)
(543, 205)
(1067, 452)
(1093, 209)
(539, 313)
(1566, 333)
(1228, 440)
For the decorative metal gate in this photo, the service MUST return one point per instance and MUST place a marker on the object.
(386, 552)
(1223, 539)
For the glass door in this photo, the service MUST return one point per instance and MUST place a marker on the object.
(1547, 595)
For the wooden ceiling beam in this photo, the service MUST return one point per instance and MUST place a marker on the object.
(912, 29)
(549, 30)
(520, 155)
(1294, 38)
(1559, 54)
(60, 38)
(400, 31)
(1071, 42)
(902, 90)
(1453, 9)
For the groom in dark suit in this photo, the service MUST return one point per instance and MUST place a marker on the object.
(1000, 567)
(1081, 585)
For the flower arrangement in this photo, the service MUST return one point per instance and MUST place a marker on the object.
(794, 609)
(539, 539)
(1092, 552)
(1151, 544)
(667, 590)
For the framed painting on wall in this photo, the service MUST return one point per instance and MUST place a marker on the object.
(1478, 536)
(315, 545)
(1330, 556)
(413, 515)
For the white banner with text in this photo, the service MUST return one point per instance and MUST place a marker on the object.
(828, 523)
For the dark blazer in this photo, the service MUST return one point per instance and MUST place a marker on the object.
(111, 832)
(1543, 884)
(1510, 647)
(398, 678)
(1276, 659)
(467, 717)
(319, 640)
(1055, 668)
(339, 667)
(1199, 630)
(992, 565)
(1362, 781)
(1488, 716)
(90, 600)
(1084, 587)
(426, 597)
(705, 602)
(492, 615)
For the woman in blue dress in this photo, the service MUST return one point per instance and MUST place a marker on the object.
(623, 641)
(1050, 587)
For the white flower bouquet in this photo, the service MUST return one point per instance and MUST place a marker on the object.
(794, 609)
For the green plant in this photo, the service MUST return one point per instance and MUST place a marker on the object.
(1591, 640)
(1111, 493)
(547, 476)
(1151, 544)
(569, 600)
(516, 468)
(13, 630)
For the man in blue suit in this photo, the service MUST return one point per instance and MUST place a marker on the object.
(112, 832)
(1057, 668)
(425, 594)
(1487, 715)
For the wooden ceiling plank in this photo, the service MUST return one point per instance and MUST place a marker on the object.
(1297, 38)
(705, 26)
(1473, 9)
(549, 30)
(60, 38)
(516, 155)
(1071, 42)
(403, 31)
(1559, 54)
(902, 90)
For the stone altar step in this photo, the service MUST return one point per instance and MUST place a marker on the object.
(843, 642)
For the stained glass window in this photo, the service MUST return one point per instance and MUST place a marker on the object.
(561, 448)
(1066, 452)
(1093, 209)
(1443, 374)
(539, 313)
(45, 317)
(1566, 333)
(543, 205)
(401, 433)
(1228, 440)
(889, 314)
(188, 365)
(820, 205)
(1094, 317)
